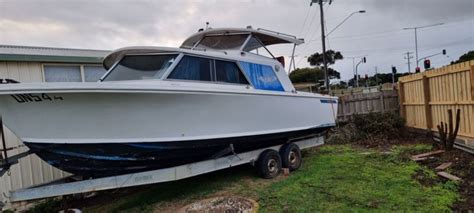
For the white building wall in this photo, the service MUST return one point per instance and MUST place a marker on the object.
(31, 170)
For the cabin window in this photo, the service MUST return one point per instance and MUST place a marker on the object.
(62, 73)
(229, 72)
(73, 73)
(262, 76)
(192, 68)
(93, 73)
(139, 67)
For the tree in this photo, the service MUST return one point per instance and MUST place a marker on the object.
(340, 85)
(465, 57)
(381, 78)
(331, 57)
(312, 75)
(316, 74)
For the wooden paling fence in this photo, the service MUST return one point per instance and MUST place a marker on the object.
(426, 97)
(364, 103)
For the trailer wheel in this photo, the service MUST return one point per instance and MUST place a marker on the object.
(291, 156)
(268, 164)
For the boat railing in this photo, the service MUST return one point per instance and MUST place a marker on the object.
(204, 50)
(275, 32)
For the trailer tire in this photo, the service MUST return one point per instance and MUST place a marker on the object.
(291, 156)
(268, 164)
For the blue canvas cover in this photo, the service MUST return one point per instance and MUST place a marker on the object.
(262, 76)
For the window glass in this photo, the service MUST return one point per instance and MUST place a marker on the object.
(93, 73)
(54, 73)
(262, 76)
(192, 68)
(226, 42)
(229, 72)
(252, 45)
(138, 67)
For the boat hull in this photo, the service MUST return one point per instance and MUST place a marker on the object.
(116, 131)
(108, 159)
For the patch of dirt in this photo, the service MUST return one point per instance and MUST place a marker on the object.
(424, 179)
(221, 204)
(94, 198)
(386, 144)
(463, 167)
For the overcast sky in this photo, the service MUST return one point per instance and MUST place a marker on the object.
(379, 34)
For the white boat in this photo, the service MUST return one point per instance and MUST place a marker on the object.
(158, 107)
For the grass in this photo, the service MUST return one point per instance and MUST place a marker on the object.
(333, 178)
(341, 179)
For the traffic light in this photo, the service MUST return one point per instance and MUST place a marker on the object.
(444, 51)
(417, 69)
(364, 60)
(427, 64)
(366, 76)
(394, 70)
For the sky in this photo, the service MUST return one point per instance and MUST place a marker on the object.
(377, 34)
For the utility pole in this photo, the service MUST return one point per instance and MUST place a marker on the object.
(363, 60)
(354, 66)
(376, 77)
(408, 57)
(323, 38)
(416, 37)
(416, 46)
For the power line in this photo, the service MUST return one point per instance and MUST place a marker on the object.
(310, 24)
(382, 50)
(384, 34)
(428, 47)
(306, 44)
(305, 19)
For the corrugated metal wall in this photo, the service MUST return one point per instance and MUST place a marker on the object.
(31, 170)
(426, 97)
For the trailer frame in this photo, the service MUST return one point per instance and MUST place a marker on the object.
(55, 189)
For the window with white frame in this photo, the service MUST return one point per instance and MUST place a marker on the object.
(93, 73)
(72, 73)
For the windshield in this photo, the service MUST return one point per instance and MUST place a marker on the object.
(224, 42)
(139, 67)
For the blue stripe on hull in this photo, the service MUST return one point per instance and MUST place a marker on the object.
(107, 159)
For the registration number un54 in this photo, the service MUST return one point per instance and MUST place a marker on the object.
(25, 98)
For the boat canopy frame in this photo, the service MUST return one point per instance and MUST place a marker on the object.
(269, 38)
(262, 36)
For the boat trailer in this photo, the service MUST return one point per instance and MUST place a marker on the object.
(56, 188)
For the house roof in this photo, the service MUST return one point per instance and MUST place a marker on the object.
(50, 54)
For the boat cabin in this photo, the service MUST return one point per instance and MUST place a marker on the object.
(228, 56)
